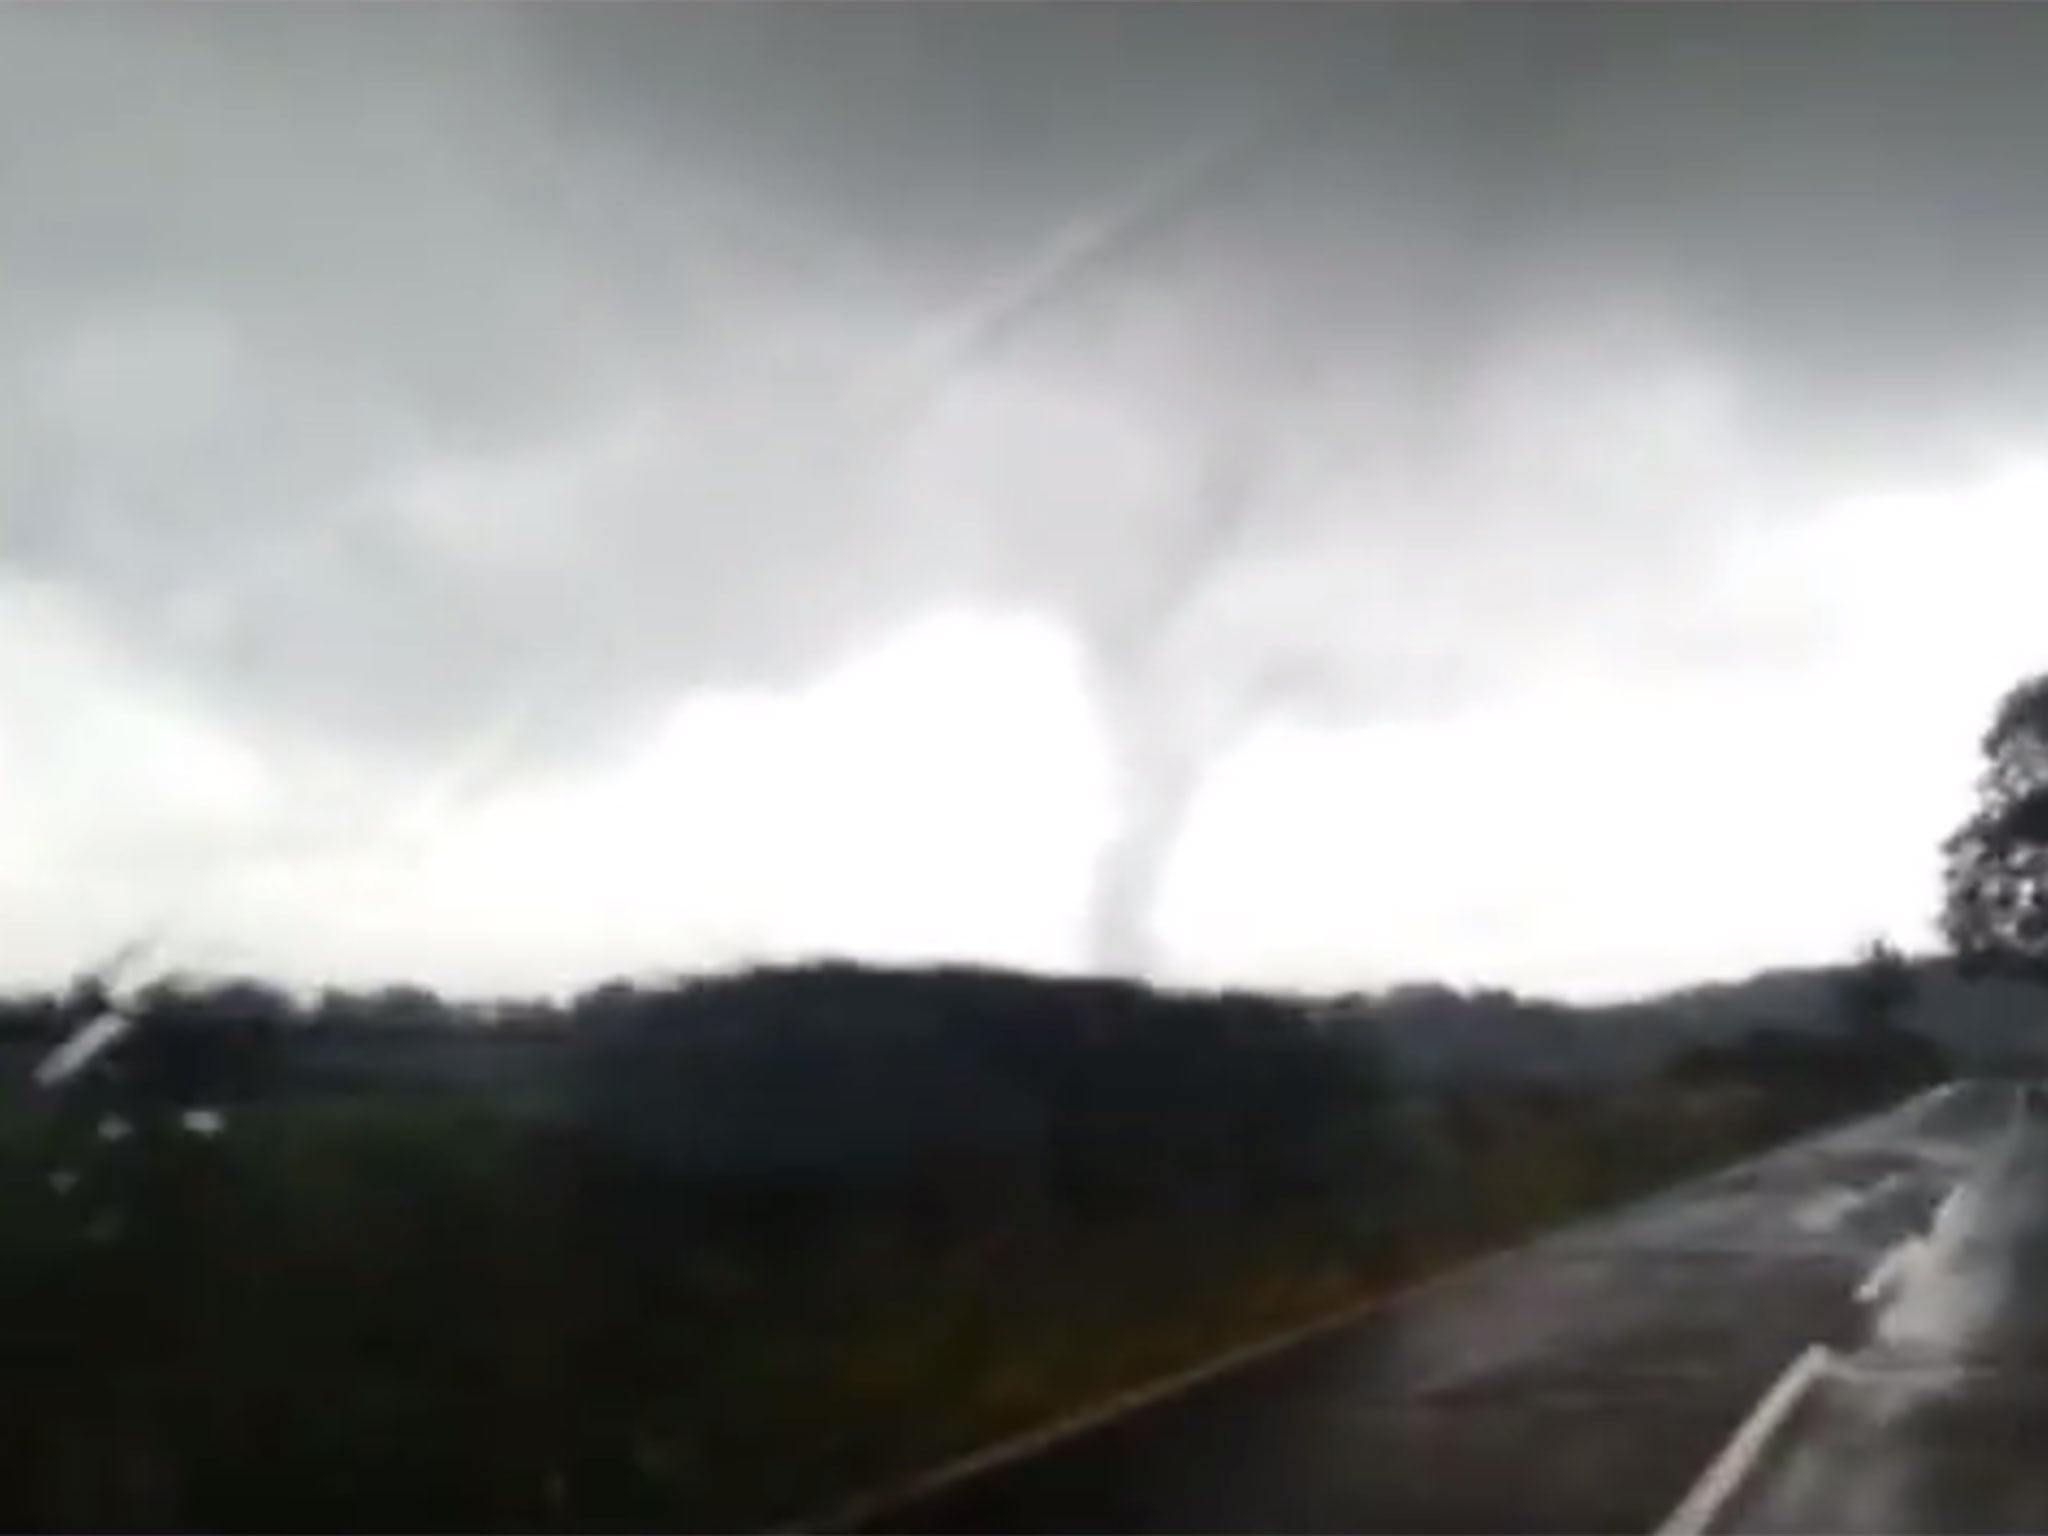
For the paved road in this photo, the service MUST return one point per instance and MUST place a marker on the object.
(1587, 1382)
(1936, 1417)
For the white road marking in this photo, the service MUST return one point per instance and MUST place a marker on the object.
(1724, 1475)
(1945, 1213)
(1827, 1210)
(1884, 1275)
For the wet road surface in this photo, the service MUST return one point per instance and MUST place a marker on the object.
(1935, 1418)
(1590, 1381)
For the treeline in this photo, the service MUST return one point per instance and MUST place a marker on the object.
(773, 1239)
(406, 1038)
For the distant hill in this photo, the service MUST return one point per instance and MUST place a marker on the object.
(1987, 1026)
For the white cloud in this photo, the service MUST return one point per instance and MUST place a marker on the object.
(939, 794)
(1645, 816)
(1758, 774)
(115, 792)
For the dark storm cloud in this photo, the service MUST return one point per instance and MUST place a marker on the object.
(379, 362)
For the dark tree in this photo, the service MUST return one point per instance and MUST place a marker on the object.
(1995, 880)
(1876, 991)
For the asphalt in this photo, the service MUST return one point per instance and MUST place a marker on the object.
(1592, 1381)
(1936, 1417)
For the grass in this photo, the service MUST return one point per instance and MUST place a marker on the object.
(383, 1316)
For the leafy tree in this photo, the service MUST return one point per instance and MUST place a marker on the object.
(1876, 991)
(1995, 880)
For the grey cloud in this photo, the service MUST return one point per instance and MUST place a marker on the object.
(310, 308)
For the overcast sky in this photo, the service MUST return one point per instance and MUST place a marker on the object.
(1298, 496)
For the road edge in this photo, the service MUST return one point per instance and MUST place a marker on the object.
(864, 1507)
